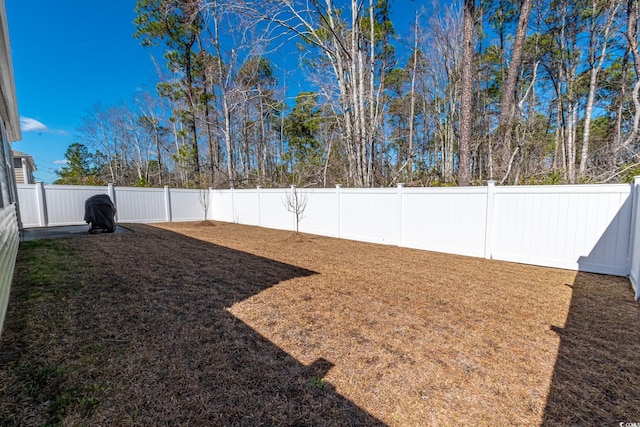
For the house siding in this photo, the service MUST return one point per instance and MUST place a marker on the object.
(9, 132)
(20, 176)
(9, 239)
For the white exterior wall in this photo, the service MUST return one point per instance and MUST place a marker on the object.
(9, 239)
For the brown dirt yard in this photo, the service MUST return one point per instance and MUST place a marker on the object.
(220, 324)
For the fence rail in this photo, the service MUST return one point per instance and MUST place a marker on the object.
(591, 228)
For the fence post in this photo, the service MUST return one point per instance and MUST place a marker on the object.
(632, 252)
(295, 216)
(210, 201)
(259, 207)
(233, 207)
(400, 237)
(167, 204)
(42, 204)
(111, 190)
(488, 227)
(338, 188)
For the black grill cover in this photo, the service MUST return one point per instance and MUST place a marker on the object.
(99, 213)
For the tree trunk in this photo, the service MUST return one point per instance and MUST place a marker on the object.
(632, 39)
(593, 81)
(158, 152)
(372, 102)
(212, 143)
(558, 134)
(572, 115)
(223, 77)
(412, 100)
(508, 99)
(466, 101)
(617, 140)
(192, 110)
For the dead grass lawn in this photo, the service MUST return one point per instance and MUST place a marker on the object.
(220, 324)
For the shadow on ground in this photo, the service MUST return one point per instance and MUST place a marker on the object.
(596, 380)
(149, 340)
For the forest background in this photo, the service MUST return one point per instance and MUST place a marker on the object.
(521, 92)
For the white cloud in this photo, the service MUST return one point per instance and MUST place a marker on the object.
(27, 124)
(60, 162)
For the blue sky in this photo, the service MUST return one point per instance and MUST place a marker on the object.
(69, 55)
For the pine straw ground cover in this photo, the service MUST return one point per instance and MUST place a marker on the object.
(220, 324)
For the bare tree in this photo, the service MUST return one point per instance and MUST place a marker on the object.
(204, 197)
(296, 203)
(224, 76)
(442, 87)
(348, 49)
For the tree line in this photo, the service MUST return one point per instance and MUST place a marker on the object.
(520, 92)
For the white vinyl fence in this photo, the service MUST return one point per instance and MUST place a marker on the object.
(53, 205)
(591, 228)
(579, 227)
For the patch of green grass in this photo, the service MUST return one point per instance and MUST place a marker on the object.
(44, 384)
(49, 385)
(46, 267)
(92, 347)
(36, 293)
(38, 379)
(89, 398)
(318, 382)
(57, 409)
(48, 278)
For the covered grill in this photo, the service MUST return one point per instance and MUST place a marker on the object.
(99, 213)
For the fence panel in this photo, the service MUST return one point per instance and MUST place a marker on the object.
(370, 215)
(140, 204)
(245, 207)
(582, 227)
(272, 209)
(322, 214)
(450, 220)
(65, 203)
(222, 206)
(28, 196)
(188, 205)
